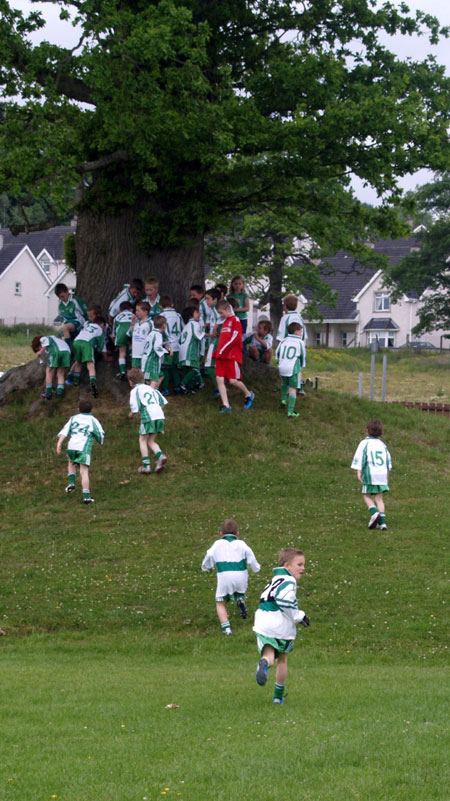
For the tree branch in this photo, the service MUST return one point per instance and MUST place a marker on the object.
(105, 161)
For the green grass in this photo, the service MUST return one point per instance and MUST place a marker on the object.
(108, 617)
(15, 342)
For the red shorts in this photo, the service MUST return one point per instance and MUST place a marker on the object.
(227, 368)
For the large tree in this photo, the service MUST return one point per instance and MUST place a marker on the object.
(426, 270)
(170, 114)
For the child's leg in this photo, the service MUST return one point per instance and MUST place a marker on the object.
(267, 356)
(292, 392)
(162, 459)
(49, 374)
(373, 510)
(240, 385)
(284, 392)
(60, 381)
(379, 500)
(68, 329)
(212, 375)
(222, 614)
(71, 476)
(122, 360)
(267, 660)
(92, 378)
(76, 372)
(143, 447)
(222, 390)
(280, 678)
(253, 352)
(84, 475)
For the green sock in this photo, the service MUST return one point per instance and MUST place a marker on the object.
(71, 478)
(279, 690)
(166, 379)
(76, 378)
(122, 366)
(291, 402)
(93, 379)
(60, 389)
(48, 389)
(191, 377)
(86, 494)
(284, 392)
(146, 461)
(382, 518)
(373, 510)
(158, 454)
(225, 625)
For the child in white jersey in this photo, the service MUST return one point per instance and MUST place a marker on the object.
(82, 429)
(140, 327)
(147, 402)
(58, 351)
(173, 330)
(131, 292)
(230, 556)
(372, 461)
(121, 326)
(260, 342)
(290, 315)
(276, 618)
(154, 352)
(86, 344)
(189, 353)
(291, 357)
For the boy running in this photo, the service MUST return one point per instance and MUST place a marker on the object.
(228, 356)
(82, 429)
(147, 402)
(372, 461)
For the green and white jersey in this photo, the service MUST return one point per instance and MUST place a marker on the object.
(139, 334)
(148, 402)
(93, 333)
(190, 343)
(291, 355)
(122, 323)
(374, 460)
(278, 611)
(82, 430)
(155, 307)
(205, 313)
(74, 311)
(253, 342)
(55, 345)
(124, 294)
(286, 320)
(153, 346)
(231, 557)
(174, 327)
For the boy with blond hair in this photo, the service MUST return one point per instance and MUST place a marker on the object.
(230, 556)
(121, 327)
(140, 328)
(290, 315)
(148, 402)
(276, 619)
(154, 352)
(82, 429)
(151, 288)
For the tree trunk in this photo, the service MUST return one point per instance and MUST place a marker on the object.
(275, 293)
(109, 255)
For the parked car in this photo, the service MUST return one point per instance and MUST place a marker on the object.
(419, 345)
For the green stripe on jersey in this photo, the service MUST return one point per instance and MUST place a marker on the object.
(268, 606)
(222, 567)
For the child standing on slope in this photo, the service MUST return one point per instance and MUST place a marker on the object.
(82, 428)
(147, 402)
(230, 556)
(372, 461)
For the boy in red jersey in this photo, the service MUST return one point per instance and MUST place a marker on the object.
(228, 356)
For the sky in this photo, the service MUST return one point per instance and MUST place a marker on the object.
(414, 47)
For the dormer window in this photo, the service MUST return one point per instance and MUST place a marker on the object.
(46, 266)
(382, 301)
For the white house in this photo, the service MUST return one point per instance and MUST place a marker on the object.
(30, 267)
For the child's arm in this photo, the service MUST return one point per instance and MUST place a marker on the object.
(59, 444)
(245, 307)
(208, 562)
(358, 473)
(252, 561)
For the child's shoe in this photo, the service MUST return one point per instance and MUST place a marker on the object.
(279, 700)
(293, 414)
(94, 390)
(382, 527)
(225, 409)
(227, 632)
(161, 463)
(122, 376)
(249, 401)
(165, 392)
(88, 500)
(47, 397)
(261, 671)
(374, 520)
(69, 381)
(143, 469)
(242, 608)
(70, 487)
(283, 404)
(215, 394)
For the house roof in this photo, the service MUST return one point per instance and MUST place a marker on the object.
(348, 276)
(51, 240)
(7, 254)
(381, 324)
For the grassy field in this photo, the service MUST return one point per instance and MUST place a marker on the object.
(109, 619)
(15, 342)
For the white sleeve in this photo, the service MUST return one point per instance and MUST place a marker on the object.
(252, 562)
(133, 400)
(64, 431)
(208, 561)
(357, 459)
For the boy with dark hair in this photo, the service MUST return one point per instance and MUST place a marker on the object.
(260, 342)
(121, 326)
(228, 356)
(173, 330)
(86, 344)
(223, 289)
(212, 296)
(290, 315)
(230, 556)
(276, 618)
(372, 461)
(147, 402)
(190, 348)
(58, 352)
(131, 292)
(291, 356)
(72, 310)
(82, 428)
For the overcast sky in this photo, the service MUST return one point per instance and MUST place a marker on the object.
(412, 46)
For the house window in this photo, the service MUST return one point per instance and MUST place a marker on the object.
(382, 301)
(344, 339)
(17, 288)
(46, 266)
(386, 339)
(317, 337)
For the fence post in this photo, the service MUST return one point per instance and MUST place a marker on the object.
(372, 375)
(383, 385)
(360, 385)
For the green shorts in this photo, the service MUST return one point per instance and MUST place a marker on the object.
(122, 340)
(83, 351)
(279, 646)
(234, 596)
(170, 361)
(374, 489)
(153, 427)
(190, 363)
(136, 362)
(79, 457)
(76, 325)
(292, 381)
(60, 359)
(152, 371)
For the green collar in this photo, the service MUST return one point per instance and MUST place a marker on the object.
(229, 537)
(281, 571)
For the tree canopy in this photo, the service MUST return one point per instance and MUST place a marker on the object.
(189, 110)
(426, 271)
